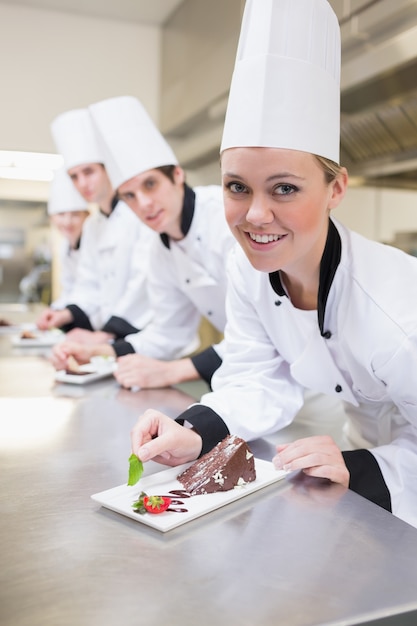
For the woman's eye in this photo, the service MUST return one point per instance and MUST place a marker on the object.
(236, 187)
(150, 183)
(285, 190)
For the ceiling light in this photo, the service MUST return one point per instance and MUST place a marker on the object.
(29, 165)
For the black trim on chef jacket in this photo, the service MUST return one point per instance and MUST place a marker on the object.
(80, 319)
(119, 327)
(76, 247)
(366, 477)
(328, 266)
(206, 363)
(186, 215)
(207, 423)
(116, 326)
(124, 347)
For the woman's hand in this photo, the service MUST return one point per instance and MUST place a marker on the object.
(158, 437)
(317, 456)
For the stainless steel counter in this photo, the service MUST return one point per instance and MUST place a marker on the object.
(300, 552)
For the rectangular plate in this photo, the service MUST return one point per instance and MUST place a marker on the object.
(94, 373)
(120, 498)
(44, 338)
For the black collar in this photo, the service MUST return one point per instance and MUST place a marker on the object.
(328, 266)
(113, 205)
(187, 214)
(77, 244)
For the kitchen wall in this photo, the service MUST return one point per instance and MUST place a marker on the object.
(52, 62)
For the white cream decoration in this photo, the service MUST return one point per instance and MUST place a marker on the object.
(218, 478)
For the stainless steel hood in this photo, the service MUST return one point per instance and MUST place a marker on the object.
(378, 97)
(379, 90)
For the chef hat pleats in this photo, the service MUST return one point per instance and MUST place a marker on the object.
(285, 89)
(75, 139)
(130, 141)
(63, 196)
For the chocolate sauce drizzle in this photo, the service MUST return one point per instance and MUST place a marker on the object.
(176, 508)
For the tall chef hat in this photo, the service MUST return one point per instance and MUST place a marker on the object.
(285, 90)
(63, 196)
(131, 142)
(75, 139)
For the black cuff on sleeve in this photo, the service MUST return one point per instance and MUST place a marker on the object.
(206, 363)
(207, 423)
(79, 319)
(122, 347)
(119, 327)
(366, 477)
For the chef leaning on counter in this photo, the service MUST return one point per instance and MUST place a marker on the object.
(109, 299)
(187, 276)
(312, 305)
(67, 212)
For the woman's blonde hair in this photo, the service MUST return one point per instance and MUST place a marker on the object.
(330, 168)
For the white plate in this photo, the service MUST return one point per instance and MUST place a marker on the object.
(120, 498)
(94, 373)
(43, 338)
(9, 330)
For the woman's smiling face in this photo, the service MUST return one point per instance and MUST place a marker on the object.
(277, 204)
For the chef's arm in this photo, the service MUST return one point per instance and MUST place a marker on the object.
(206, 363)
(207, 423)
(366, 477)
(119, 327)
(200, 366)
(79, 319)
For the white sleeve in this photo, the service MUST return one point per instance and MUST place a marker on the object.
(86, 291)
(134, 303)
(398, 459)
(175, 321)
(68, 269)
(253, 390)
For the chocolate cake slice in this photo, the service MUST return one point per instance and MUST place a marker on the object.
(229, 464)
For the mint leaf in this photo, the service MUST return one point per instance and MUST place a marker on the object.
(135, 470)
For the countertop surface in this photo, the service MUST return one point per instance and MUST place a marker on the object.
(300, 552)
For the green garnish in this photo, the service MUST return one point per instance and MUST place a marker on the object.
(139, 506)
(135, 470)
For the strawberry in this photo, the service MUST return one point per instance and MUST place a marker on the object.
(156, 504)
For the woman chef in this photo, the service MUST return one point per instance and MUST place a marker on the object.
(110, 295)
(311, 304)
(187, 277)
(67, 212)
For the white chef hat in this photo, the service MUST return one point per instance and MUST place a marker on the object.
(131, 142)
(75, 139)
(285, 90)
(63, 196)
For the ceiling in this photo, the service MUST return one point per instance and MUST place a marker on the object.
(151, 12)
(379, 91)
(379, 78)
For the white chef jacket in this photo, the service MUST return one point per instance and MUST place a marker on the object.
(69, 258)
(112, 270)
(187, 280)
(365, 353)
